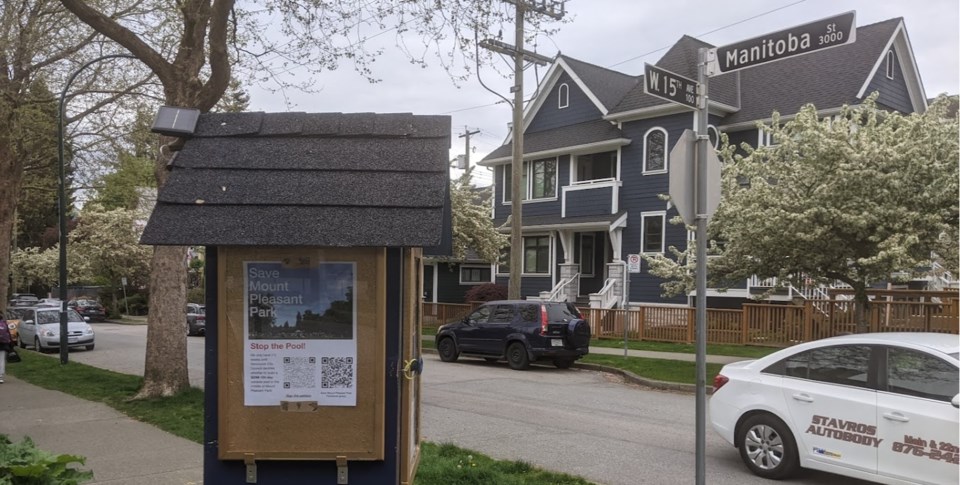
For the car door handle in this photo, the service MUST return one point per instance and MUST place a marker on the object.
(802, 397)
(896, 417)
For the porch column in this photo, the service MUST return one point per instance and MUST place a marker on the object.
(616, 270)
(616, 242)
(566, 242)
(568, 270)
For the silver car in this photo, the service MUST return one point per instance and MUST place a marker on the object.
(39, 327)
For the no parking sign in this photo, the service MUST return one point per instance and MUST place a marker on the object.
(633, 263)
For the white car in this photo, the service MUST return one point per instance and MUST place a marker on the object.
(880, 407)
(40, 327)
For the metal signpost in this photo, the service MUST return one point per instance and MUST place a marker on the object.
(695, 181)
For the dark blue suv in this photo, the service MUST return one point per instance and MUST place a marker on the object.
(522, 331)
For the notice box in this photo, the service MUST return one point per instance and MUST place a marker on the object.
(301, 353)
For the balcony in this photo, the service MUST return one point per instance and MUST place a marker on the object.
(590, 198)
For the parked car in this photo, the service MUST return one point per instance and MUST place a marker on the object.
(23, 299)
(91, 309)
(879, 407)
(40, 327)
(196, 319)
(521, 331)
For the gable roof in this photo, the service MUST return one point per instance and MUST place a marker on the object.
(607, 85)
(566, 139)
(829, 78)
(285, 179)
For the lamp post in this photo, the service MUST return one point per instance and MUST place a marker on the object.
(62, 205)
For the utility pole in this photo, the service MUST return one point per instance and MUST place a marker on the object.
(466, 148)
(550, 9)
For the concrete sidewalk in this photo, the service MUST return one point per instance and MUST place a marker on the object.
(649, 354)
(119, 450)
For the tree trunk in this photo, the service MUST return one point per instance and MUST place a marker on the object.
(11, 173)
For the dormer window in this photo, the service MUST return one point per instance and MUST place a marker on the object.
(891, 64)
(563, 96)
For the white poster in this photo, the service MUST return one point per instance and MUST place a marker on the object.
(300, 339)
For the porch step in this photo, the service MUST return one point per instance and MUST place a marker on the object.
(583, 300)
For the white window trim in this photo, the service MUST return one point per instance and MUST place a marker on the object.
(666, 153)
(528, 168)
(475, 266)
(592, 254)
(663, 234)
(715, 130)
(563, 96)
(575, 167)
(891, 66)
(764, 138)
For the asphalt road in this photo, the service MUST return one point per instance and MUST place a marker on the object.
(580, 422)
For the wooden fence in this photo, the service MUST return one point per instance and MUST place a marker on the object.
(756, 324)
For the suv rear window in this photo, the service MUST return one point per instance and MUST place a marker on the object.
(562, 311)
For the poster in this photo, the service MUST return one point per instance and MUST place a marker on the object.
(300, 333)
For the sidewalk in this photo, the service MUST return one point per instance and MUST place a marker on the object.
(118, 449)
(649, 354)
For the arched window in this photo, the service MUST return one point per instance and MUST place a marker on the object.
(891, 64)
(563, 96)
(655, 150)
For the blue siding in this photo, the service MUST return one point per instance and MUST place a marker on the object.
(449, 289)
(579, 110)
(640, 194)
(893, 92)
(531, 286)
(589, 202)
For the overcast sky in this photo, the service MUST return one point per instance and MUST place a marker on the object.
(621, 35)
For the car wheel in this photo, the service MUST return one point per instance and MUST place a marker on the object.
(447, 349)
(517, 356)
(767, 447)
(36, 345)
(90, 347)
(563, 363)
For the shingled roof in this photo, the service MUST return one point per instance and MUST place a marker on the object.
(290, 179)
(607, 85)
(569, 136)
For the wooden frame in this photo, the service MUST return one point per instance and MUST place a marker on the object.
(410, 349)
(295, 432)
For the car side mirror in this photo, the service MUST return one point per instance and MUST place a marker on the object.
(86, 319)
(955, 401)
(28, 322)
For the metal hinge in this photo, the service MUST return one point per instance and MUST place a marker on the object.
(341, 470)
(251, 467)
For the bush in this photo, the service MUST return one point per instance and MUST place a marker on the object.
(24, 464)
(196, 295)
(137, 303)
(486, 292)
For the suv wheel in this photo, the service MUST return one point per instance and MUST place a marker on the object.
(517, 356)
(563, 363)
(447, 349)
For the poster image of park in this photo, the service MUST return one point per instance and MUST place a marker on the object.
(314, 302)
(300, 331)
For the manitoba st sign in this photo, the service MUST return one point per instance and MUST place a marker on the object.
(802, 39)
(669, 86)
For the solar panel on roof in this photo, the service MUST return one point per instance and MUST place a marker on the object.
(175, 121)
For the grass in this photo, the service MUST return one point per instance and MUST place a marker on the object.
(656, 369)
(182, 415)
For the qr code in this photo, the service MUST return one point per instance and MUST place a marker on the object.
(336, 372)
(299, 372)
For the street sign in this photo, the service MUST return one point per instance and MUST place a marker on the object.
(669, 86)
(683, 181)
(123, 281)
(633, 263)
(802, 39)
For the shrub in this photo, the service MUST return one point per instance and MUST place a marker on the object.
(486, 292)
(137, 303)
(196, 295)
(24, 464)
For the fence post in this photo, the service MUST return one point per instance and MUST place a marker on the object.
(744, 323)
(641, 320)
(691, 323)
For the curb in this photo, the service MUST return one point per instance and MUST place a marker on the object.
(629, 377)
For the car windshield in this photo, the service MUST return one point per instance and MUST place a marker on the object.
(53, 316)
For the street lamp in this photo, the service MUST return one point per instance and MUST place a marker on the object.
(62, 206)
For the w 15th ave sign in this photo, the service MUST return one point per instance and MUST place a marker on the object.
(802, 39)
(669, 86)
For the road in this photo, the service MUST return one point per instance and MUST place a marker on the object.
(580, 422)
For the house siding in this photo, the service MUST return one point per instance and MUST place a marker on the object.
(893, 92)
(640, 193)
(589, 202)
(449, 289)
(579, 109)
(531, 286)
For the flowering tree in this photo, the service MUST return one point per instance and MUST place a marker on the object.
(855, 197)
(472, 225)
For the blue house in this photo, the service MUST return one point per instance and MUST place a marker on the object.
(596, 156)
